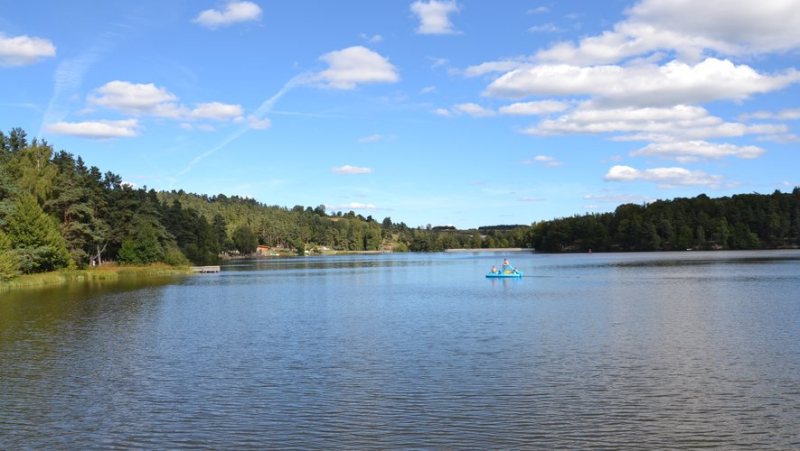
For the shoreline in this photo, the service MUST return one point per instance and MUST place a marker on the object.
(103, 273)
(493, 249)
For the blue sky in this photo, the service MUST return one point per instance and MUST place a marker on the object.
(462, 113)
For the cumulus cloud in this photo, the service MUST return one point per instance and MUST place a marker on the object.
(645, 85)
(690, 151)
(677, 123)
(351, 170)
(24, 50)
(216, 111)
(434, 16)
(786, 114)
(234, 12)
(690, 28)
(736, 26)
(473, 109)
(137, 99)
(150, 100)
(95, 130)
(534, 108)
(664, 177)
(470, 109)
(353, 66)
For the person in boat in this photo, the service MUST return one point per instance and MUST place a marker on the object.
(507, 268)
(494, 269)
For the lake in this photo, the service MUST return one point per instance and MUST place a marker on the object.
(602, 351)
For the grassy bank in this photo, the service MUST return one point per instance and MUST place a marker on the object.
(103, 273)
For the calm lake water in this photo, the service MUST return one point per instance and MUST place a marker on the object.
(603, 351)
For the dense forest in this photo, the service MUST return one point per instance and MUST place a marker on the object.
(744, 221)
(55, 212)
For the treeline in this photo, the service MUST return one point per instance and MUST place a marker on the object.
(745, 221)
(55, 212)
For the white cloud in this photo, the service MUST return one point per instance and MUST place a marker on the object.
(649, 85)
(539, 10)
(690, 151)
(353, 66)
(428, 90)
(137, 99)
(148, 99)
(690, 28)
(351, 170)
(216, 111)
(351, 206)
(534, 108)
(370, 139)
(543, 160)
(663, 177)
(531, 199)
(24, 50)
(743, 26)
(95, 130)
(234, 12)
(442, 112)
(678, 123)
(786, 114)
(473, 109)
(434, 16)
(258, 124)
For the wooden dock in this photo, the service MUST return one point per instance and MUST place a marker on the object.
(205, 269)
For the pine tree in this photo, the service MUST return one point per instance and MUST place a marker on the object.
(9, 268)
(35, 237)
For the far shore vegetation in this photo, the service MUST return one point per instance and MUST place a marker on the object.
(63, 220)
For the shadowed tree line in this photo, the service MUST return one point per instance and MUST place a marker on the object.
(744, 221)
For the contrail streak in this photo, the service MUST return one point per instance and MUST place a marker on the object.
(259, 113)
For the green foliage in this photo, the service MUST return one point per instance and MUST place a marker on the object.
(745, 221)
(9, 267)
(142, 249)
(244, 240)
(55, 211)
(35, 237)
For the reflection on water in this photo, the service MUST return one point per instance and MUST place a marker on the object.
(602, 351)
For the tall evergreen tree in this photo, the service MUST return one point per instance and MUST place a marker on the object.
(36, 238)
(9, 266)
